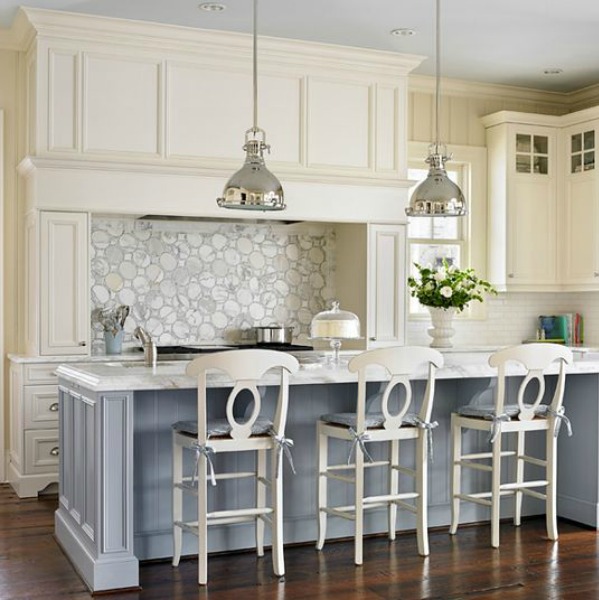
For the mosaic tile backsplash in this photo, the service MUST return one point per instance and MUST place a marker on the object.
(197, 282)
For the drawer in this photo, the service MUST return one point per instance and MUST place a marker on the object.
(41, 406)
(41, 451)
(35, 374)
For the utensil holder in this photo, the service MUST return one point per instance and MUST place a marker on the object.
(113, 341)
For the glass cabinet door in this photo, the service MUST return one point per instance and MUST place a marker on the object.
(582, 151)
(532, 153)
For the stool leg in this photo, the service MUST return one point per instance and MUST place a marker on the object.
(260, 499)
(393, 485)
(359, 506)
(551, 475)
(177, 501)
(422, 490)
(456, 473)
(321, 501)
(520, 448)
(202, 521)
(495, 488)
(276, 486)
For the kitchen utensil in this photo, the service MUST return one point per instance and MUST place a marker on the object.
(274, 334)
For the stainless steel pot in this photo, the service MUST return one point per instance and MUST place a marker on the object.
(274, 334)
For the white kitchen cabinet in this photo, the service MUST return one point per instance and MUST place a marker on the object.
(33, 448)
(580, 229)
(522, 186)
(371, 281)
(185, 100)
(57, 284)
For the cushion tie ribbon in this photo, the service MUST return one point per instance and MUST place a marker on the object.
(359, 439)
(497, 421)
(284, 446)
(560, 416)
(428, 427)
(206, 451)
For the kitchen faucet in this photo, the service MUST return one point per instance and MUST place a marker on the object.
(149, 346)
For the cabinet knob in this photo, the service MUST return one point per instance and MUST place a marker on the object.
(83, 343)
(372, 339)
(510, 275)
(53, 407)
(595, 274)
(55, 451)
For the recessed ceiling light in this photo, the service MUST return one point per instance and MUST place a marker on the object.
(403, 31)
(552, 71)
(212, 6)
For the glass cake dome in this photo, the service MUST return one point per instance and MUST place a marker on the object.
(335, 325)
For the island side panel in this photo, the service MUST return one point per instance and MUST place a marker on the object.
(578, 456)
(94, 521)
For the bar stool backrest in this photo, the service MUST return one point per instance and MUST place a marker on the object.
(245, 368)
(401, 363)
(536, 359)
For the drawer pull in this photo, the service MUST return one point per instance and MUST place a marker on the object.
(83, 343)
(53, 407)
(55, 451)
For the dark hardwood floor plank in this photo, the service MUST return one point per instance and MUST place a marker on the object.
(526, 566)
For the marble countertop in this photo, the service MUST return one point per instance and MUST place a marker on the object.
(116, 373)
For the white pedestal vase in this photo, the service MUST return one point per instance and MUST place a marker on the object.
(441, 331)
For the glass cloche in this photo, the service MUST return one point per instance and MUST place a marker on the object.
(335, 325)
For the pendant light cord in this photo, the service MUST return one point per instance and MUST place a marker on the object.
(255, 61)
(437, 74)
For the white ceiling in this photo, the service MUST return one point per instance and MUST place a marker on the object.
(506, 41)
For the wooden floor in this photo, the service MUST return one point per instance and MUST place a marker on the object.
(527, 565)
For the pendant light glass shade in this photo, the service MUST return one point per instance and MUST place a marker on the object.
(437, 195)
(253, 187)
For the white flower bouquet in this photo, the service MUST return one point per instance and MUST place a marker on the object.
(447, 286)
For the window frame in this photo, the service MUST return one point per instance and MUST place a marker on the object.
(472, 160)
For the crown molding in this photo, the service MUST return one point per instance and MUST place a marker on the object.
(193, 41)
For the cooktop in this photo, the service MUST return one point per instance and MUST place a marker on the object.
(182, 349)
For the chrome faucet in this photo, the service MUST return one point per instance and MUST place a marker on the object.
(149, 346)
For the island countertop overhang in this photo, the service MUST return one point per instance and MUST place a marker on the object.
(170, 374)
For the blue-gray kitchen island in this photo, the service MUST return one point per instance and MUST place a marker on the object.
(115, 463)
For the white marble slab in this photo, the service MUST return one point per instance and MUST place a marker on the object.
(131, 375)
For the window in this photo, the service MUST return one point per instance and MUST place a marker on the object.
(460, 241)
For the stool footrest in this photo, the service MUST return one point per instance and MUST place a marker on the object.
(533, 460)
(367, 465)
(405, 470)
(479, 455)
(534, 494)
(523, 485)
(473, 465)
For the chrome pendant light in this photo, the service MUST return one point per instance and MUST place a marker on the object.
(254, 187)
(437, 195)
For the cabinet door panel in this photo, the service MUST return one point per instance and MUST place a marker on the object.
(338, 124)
(64, 317)
(532, 248)
(386, 292)
(581, 231)
(121, 105)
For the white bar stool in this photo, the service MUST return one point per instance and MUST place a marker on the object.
(363, 428)
(503, 418)
(205, 438)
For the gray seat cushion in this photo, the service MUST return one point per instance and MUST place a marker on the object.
(373, 420)
(486, 412)
(221, 427)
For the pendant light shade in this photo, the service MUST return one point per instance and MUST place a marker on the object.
(254, 187)
(437, 195)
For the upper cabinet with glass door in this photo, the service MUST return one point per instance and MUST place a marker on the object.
(580, 207)
(532, 153)
(522, 152)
